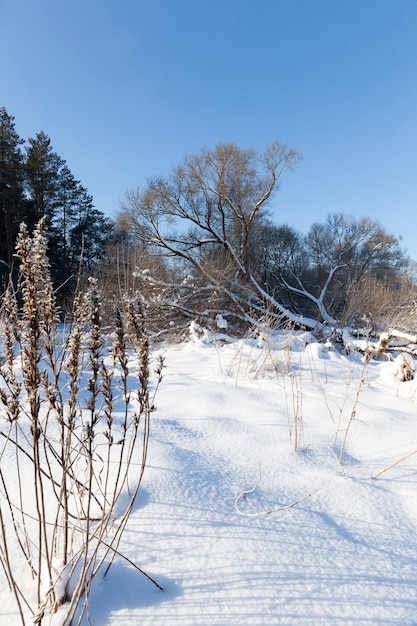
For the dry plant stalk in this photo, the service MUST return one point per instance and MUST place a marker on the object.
(278, 509)
(394, 464)
(353, 412)
(72, 428)
(294, 398)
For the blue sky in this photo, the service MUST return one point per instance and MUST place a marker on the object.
(126, 88)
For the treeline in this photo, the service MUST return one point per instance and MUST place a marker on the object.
(210, 251)
(35, 183)
(200, 244)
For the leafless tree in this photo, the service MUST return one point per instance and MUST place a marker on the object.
(224, 255)
(204, 216)
(341, 255)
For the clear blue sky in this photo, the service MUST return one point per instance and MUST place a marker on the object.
(126, 88)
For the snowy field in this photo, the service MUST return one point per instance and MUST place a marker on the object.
(258, 505)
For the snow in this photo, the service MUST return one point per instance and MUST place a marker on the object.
(243, 428)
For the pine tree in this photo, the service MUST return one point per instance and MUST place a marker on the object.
(62, 221)
(12, 201)
(90, 235)
(39, 184)
(75, 228)
(42, 177)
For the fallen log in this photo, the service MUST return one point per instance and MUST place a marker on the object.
(398, 334)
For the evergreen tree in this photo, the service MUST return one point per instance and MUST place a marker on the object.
(42, 177)
(62, 221)
(12, 200)
(90, 235)
(77, 232)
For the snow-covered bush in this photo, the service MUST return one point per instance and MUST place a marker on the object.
(404, 367)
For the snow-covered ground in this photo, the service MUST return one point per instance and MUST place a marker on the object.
(270, 419)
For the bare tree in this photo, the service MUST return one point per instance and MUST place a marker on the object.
(205, 214)
(277, 251)
(209, 219)
(341, 254)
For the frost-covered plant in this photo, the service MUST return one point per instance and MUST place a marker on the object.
(75, 408)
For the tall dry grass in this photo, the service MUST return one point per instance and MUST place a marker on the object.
(75, 415)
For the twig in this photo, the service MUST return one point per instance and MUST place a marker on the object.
(133, 564)
(391, 465)
(270, 511)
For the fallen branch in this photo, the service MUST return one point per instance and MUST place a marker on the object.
(269, 511)
(404, 336)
